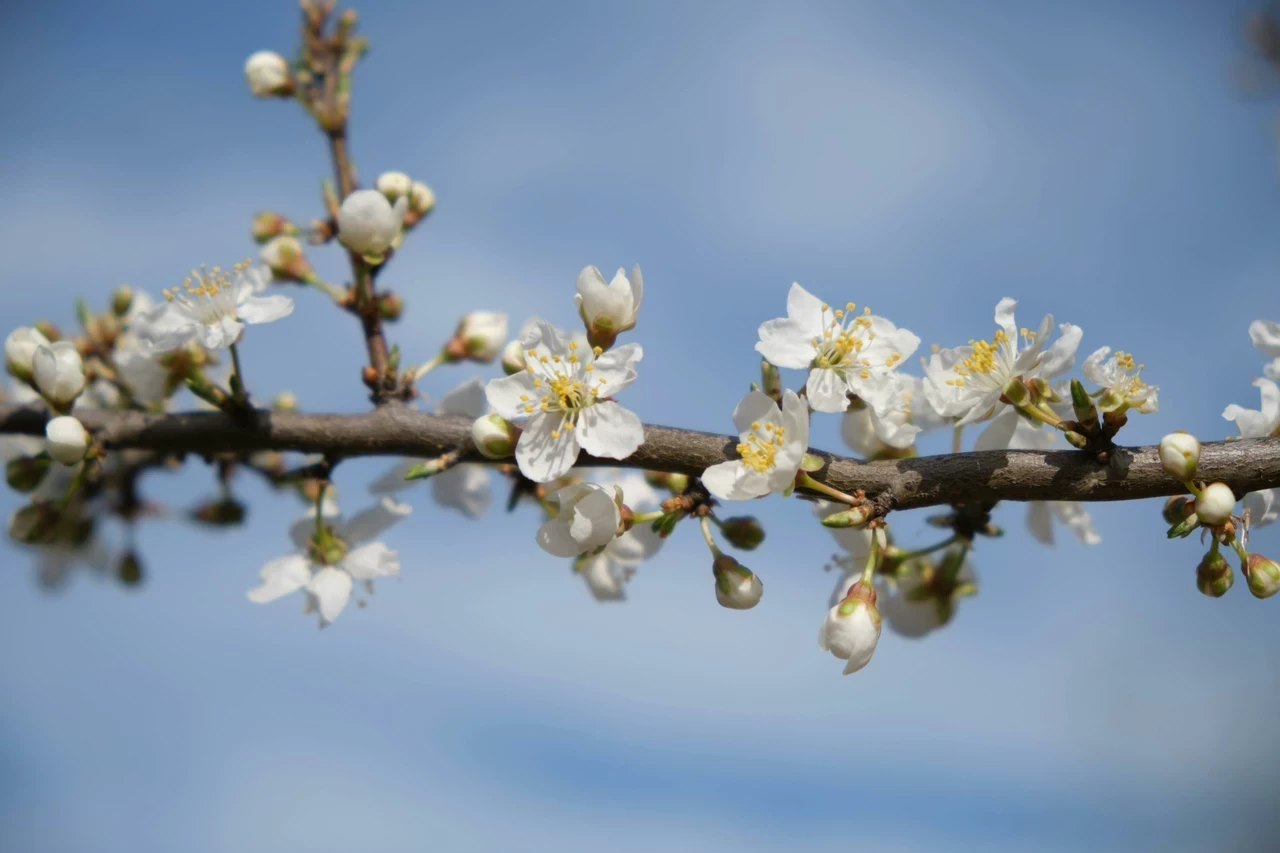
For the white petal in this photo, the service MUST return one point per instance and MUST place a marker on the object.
(1093, 370)
(331, 588)
(1062, 354)
(371, 561)
(1040, 521)
(795, 420)
(733, 481)
(541, 456)
(464, 487)
(1263, 507)
(1077, 518)
(999, 432)
(302, 527)
(221, 334)
(805, 309)
(756, 406)
(510, 394)
(608, 430)
(1265, 335)
(1005, 317)
(826, 391)
(467, 399)
(554, 538)
(617, 368)
(369, 524)
(786, 343)
(281, 576)
(264, 309)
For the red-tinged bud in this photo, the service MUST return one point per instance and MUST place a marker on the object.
(1263, 576)
(1214, 575)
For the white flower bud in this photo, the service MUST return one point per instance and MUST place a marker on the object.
(737, 587)
(421, 199)
(66, 439)
(59, 373)
(479, 337)
(268, 74)
(513, 358)
(1179, 455)
(19, 350)
(284, 256)
(608, 309)
(1215, 503)
(393, 185)
(851, 629)
(367, 223)
(494, 436)
(588, 519)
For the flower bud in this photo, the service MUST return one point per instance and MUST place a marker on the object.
(856, 516)
(1214, 576)
(1016, 392)
(390, 306)
(393, 185)
(608, 309)
(513, 358)
(59, 373)
(368, 224)
(285, 401)
(20, 350)
(737, 587)
(66, 440)
(268, 74)
(1263, 576)
(770, 380)
(851, 629)
(226, 512)
(284, 256)
(1083, 407)
(121, 300)
(1215, 503)
(26, 472)
(34, 524)
(268, 224)
(1178, 507)
(1179, 455)
(129, 569)
(479, 337)
(743, 532)
(421, 200)
(494, 436)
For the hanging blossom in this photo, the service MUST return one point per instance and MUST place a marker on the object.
(772, 442)
(463, 487)
(845, 352)
(212, 306)
(1263, 506)
(967, 382)
(872, 435)
(1120, 381)
(1041, 515)
(332, 558)
(1265, 335)
(608, 572)
(587, 517)
(564, 396)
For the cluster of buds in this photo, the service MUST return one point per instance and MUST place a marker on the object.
(57, 372)
(418, 198)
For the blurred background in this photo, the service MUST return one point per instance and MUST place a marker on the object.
(1098, 160)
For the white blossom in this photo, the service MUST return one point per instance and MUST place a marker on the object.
(327, 578)
(608, 309)
(967, 382)
(66, 439)
(267, 73)
(1120, 381)
(421, 199)
(912, 612)
(845, 352)
(850, 631)
(59, 372)
(1264, 505)
(855, 541)
(1265, 335)
(587, 518)
(772, 442)
(212, 307)
(481, 335)
(607, 573)
(562, 399)
(367, 223)
(20, 349)
(871, 434)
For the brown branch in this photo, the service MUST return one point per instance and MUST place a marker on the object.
(1017, 475)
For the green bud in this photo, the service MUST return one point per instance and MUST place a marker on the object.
(770, 380)
(26, 472)
(1075, 439)
(227, 512)
(122, 300)
(1214, 575)
(34, 524)
(427, 469)
(856, 516)
(1085, 411)
(1177, 508)
(494, 436)
(743, 532)
(1263, 576)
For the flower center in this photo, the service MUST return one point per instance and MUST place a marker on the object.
(209, 294)
(567, 384)
(326, 548)
(760, 454)
(983, 358)
(845, 335)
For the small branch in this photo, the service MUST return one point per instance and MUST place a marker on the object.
(987, 476)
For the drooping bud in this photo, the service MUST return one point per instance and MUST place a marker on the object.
(394, 185)
(743, 531)
(368, 224)
(851, 629)
(1178, 507)
(66, 439)
(737, 587)
(480, 336)
(1214, 575)
(1216, 503)
(856, 516)
(24, 473)
(226, 512)
(494, 436)
(20, 350)
(121, 300)
(129, 569)
(1263, 576)
(1179, 455)
(268, 224)
(513, 358)
(770, 380)
(284, 256)
(59, 373)
(267, 73)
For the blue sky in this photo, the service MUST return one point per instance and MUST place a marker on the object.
(1096, 160)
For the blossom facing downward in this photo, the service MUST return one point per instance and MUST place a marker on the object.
(608, 309)
(564, 398)
(66, 439)
(772, 441)
(368, 224)
(845, 352)
(267, 73)
(20, 350)
(851, 629)
(737, 587)
(212, 307)
(1120, 381)
(59, 373)
(587, 519)
(967, 382)
(607, 573)
(330, 560)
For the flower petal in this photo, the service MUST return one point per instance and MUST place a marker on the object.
(617, 368)
(371, 561)
(466, 399)
(464, 487)
(554, 538)
(330, 589)
(1062, 354)
(546, 450)
(264, 309)
(281, 576)
(393, 480)
(786, 343)
(510, 394)
(1265, 335)
(370, 523)
(826, 390)
(755, 407)
(610, 431)
(1040, 521)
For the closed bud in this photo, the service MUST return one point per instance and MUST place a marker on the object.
(370, 377)
(48, 329)
(390, 306)
(1214, 576)
(743, 532)
(421, 201)
(267, 73)
(494, 437)
(59, 373)
(368, 224)
(394, 185)
(853, 517)
(226, 512)
(20, 351)
(1179, 455)
(770, 380)
(285, 401)
(1075, 439)
(1016, 392)
(513, 358)
(480, 336)
(608, 308)
(268, 224)
(34, 524)
(26, 472)
(851, 629)
(284, 256)
(66, 439)
(1177, 508)
(737, 587)
(129, 569)
(122, 300)
(1216, 503)
(1082, 405)
(1263, 576)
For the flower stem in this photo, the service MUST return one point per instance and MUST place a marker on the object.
(1042, 415)
(320, 515)
(429, 366)
(238, 389)
(642, 517)
(706, 534)
(805, 481)
(337, 294)
(920, 552)
(955, 438)
(873, 558)
(76, 482)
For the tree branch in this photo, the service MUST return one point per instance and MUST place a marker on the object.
(987, 476)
